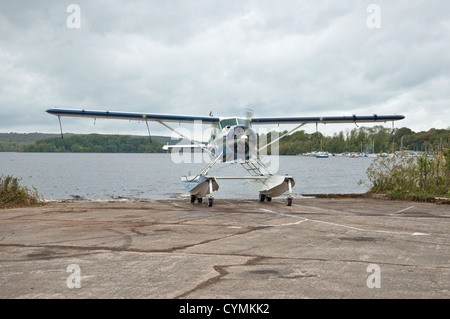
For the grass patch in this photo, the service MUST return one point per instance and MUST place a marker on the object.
(421, 178)
(12, 194)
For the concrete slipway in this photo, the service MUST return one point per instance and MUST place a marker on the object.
(317, 248)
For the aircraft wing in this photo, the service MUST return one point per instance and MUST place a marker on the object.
(211, 119)
(326, 119)
(133, 116)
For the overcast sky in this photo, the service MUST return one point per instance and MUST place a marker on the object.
(304, 58)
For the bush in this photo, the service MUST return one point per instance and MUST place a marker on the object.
(405, 177)
(12, 194)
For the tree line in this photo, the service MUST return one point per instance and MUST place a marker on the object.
(96, 143)
(374, 139)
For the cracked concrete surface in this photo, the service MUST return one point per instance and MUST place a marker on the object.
(317, 248)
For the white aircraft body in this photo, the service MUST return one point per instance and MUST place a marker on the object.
(232, 140)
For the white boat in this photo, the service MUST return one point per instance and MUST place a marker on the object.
(322, 155)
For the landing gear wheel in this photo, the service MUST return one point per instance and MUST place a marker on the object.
(269, 199)
(289, 201)
(199, 200)
(262, 197)
(193, 198)
(210, 201)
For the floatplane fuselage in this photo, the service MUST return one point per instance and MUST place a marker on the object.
(232, 140)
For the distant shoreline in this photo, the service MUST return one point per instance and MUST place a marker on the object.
(377, 139)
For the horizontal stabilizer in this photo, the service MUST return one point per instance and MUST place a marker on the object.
(167, 147)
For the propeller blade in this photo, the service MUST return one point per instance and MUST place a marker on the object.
(248, 116)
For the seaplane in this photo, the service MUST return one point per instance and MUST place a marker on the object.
(232, 140)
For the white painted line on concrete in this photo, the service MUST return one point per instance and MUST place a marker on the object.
(402, 210)
(340, 225)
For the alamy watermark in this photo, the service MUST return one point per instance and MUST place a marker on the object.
(73, 21)
(237, 143)
(374, 279)
(74, 279)
(374, 19)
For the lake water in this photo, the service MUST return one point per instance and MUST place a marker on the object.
(94, 176)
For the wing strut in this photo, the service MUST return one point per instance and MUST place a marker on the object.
(60, 127)
(280, 137)
(148, 129)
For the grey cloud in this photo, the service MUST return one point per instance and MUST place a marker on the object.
(283, 58)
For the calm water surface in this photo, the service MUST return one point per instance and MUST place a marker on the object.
(92, 176)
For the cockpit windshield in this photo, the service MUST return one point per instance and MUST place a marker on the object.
(245, 122)
(233, 121)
